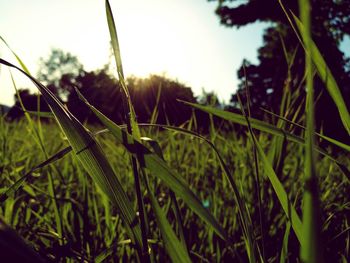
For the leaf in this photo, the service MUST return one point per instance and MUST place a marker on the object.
(131, 119)
(310, 249)
(327, 77)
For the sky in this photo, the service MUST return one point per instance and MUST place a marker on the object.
(182, 39)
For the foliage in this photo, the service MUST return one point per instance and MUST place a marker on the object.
(268, 80)
(71, 191)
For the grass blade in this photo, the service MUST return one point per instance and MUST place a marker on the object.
(310, 248)
(130, 118)
(323, 70)
(19, 182)
(90, 155)
(276, 184)
(266, 127)
(176, 250)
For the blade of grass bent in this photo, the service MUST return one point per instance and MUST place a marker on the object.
(39, 140)
(159, 168)
(245, 221)
(91, 156)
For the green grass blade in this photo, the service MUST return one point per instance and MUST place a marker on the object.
(130, 118)
(284, 250)
(310, 248)
(20, 181)
(23, 66)
(176, 250)
(327, 77)
(159, 168)
(323, 70)
(266, 127)
(281, 194)
(117, 55)
(261, 125)
(245, 222)
(91, 157)
(178, 218)
(276, 184)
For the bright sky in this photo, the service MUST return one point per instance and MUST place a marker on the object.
(181, 38)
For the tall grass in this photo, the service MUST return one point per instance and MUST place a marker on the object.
(154, 193)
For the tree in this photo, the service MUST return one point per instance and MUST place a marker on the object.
(161, 94)
(102, 91)
(59, 72)
(268, 79)
(30, 103)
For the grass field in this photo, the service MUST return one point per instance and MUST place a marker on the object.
(153, 193)
(91, 227)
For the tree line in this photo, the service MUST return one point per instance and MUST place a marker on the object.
(155, 98)
(274, 86)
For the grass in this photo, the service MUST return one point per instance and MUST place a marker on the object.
(154, 193)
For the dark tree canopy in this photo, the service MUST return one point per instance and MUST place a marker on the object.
(268, 80)
(153, 97)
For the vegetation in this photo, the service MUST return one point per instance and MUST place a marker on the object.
(275, 72)
(154, 192)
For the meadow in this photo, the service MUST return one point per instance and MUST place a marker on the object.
(93, 231)
(157, 193)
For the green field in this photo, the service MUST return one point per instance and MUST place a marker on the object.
(265, 192)
(91, 227)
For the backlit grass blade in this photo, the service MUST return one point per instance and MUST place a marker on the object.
(176, 250)
(310, 248)
(17, 57)
(130, 119)
(327, 77)
(159, 168)
(91, 157)
(19, 182)
(117, 55)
